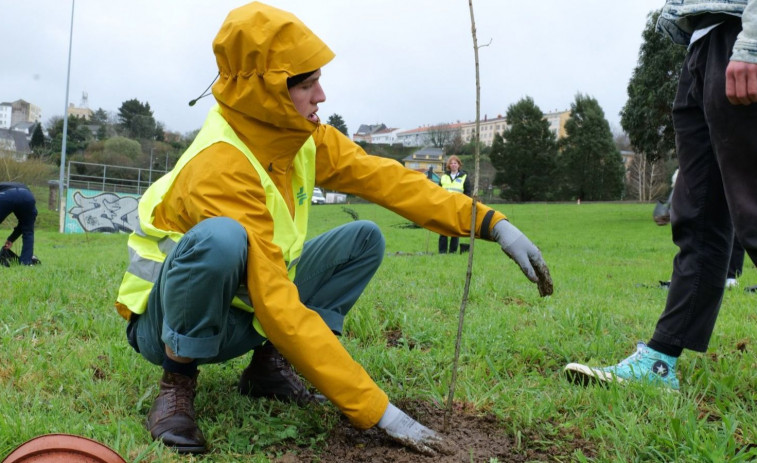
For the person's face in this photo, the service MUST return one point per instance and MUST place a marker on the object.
(306, 95)
(454, 166)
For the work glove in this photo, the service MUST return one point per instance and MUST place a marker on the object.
(405, 430)
(520, 249)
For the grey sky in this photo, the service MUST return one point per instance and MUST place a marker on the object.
(405, 63)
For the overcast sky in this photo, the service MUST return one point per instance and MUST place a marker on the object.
(404, 63)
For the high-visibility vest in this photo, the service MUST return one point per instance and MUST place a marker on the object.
(456, 185)
(149, 245)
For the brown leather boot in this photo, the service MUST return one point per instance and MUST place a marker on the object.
(172, 416)
(271, 375)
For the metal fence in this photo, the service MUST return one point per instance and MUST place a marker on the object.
(110, 178)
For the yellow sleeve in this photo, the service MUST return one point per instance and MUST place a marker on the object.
(343, 166)
(220, 181)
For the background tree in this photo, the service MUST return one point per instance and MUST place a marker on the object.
(117, 151)
(136, 120)
(160, 131)
(647, 180)
(106, 124)
(336, 121)
(79, 136)
(524, 156)
(100, 116)
(456, 145)
(591, 166)
(647, 116)
(37, 143)
(441, 135)
(102, 132)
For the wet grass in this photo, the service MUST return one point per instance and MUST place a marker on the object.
(65, 365)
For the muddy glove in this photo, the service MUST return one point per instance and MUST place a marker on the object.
(520, 249)
(411, 433)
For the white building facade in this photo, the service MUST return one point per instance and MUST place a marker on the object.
(6, 115)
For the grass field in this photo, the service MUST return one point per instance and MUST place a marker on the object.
(65, 365)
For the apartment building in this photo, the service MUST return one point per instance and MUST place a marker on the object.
(386, 136)
(23, 111)
(437, 135)
(488, 128)
(440, 134)
(81, 113)
(365, 132)
(6, 113)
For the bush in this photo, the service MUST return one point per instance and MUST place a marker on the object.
(32, 172)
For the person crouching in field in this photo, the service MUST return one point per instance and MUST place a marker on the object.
(16, 198)
(219, 265)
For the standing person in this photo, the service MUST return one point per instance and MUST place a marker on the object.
(736, 261)
(714, 115)
(224, 232)
(456, 180)
(17, 199)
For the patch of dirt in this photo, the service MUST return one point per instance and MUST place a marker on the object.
(472, 438)
(395, 338)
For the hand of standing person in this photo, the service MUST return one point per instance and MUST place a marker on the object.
(7, 244)
(741, 83)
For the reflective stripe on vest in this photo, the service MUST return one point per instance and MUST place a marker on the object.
(148, 245)
(456, 185)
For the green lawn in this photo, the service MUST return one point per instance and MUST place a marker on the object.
(65, 365)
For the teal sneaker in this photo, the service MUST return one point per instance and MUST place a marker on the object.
(645, 365)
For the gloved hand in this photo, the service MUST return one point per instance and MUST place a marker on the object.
(405, 430)
(520, 249)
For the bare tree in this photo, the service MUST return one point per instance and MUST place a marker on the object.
(647, 180)
(441, 135)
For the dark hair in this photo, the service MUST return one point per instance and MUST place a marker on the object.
(294, 80)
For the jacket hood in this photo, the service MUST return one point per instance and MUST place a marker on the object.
(257, 48)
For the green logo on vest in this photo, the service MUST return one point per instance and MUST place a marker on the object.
(301, 195)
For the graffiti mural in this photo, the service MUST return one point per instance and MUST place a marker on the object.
(94, 211)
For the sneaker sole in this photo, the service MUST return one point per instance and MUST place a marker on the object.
(582, 375)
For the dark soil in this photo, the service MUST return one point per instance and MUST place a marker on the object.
(472, 438)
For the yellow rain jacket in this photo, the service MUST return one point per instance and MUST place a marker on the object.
(256, 49)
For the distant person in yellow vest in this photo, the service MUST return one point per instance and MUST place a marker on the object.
(454, 179)
(219, 265)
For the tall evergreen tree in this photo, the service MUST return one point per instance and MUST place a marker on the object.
(647, 115)
(78, 135)
(336, 121)
(37, 143)
(102, 132)
(591, 166)
(524, 156)
(99, 117)
(136, 119)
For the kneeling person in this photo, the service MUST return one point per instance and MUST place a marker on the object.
(219, 265)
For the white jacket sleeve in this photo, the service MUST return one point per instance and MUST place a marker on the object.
(745, 48)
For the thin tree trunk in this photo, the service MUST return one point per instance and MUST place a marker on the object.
(469, 272)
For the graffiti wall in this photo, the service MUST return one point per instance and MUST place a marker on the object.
(94, 211)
